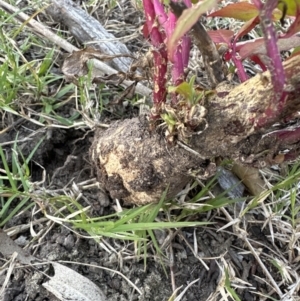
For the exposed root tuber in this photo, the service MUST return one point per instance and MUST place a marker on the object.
(137, 165)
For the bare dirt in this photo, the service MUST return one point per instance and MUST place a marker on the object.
(60, 244)
(64, 155)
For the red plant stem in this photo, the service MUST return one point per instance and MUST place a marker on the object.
(160, 55)
(186, 42)
(168, 22)
(185, 45)
(288, 136)
(160, 14)
(274, 63)
(177, 68)
(181, 54)
(238, 63)
(256, 59)
(277, 105)
(240, 69)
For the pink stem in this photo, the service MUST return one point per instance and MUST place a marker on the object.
(238, 63)
(274, 64)
(240, 68)
(181, 55)
(177, 68)
(160, 56)
(160, 13)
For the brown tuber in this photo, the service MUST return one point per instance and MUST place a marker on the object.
(136, 164)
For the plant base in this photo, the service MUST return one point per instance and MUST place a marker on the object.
(137, 165)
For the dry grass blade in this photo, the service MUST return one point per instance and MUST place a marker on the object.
(12, 263)
(180, 296)
(266, 272)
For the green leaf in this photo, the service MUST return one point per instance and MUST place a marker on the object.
(44, 67)
(183, 89)
(186, 21)
(66, 89)
(291, 6)
(168, 119)
(132, 214)
(154, 211)
(243, 11)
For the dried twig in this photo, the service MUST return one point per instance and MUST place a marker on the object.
(87, 29)
(43, 31)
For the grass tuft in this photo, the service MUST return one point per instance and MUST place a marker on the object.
(15, 184)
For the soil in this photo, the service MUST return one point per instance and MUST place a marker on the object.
(154, 279)
(64, 156)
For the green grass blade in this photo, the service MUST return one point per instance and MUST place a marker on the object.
(229, 288)
(154, 226)
(28, 159)
(6, 206)
(131, 214)
(20, 206)
(154, 211)
(47, 62)
(20, 171)
(12, 182)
